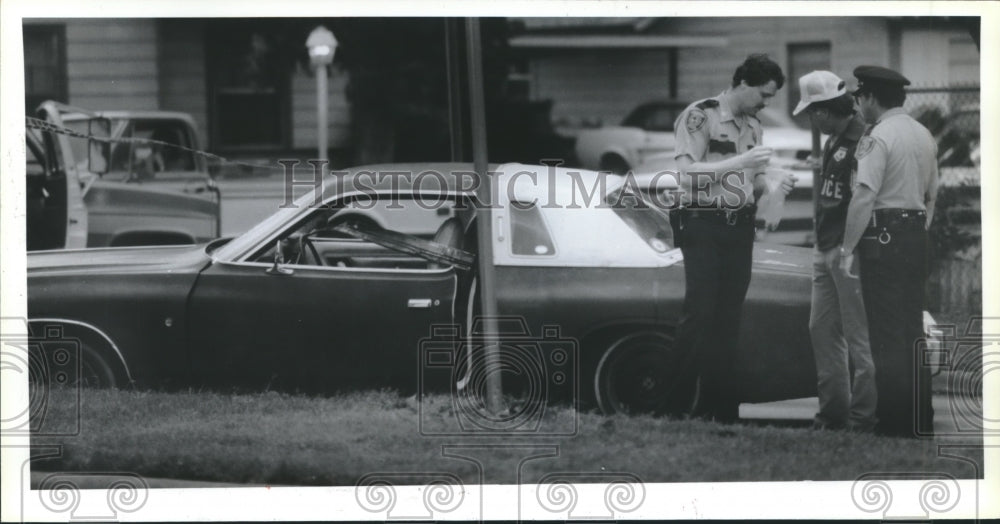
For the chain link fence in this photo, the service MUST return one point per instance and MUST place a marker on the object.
(952, 114)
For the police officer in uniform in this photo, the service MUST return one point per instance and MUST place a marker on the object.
(837, 322)
(886, 233)
(719, 156)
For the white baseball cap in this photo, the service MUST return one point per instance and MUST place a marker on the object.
(818, 86)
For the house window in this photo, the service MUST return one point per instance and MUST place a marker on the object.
(802, 59)
(44, 64)
(248, 87)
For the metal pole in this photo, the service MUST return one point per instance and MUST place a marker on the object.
(321, 112)
(819, 160)
(487, 284)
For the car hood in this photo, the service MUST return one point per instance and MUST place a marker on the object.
(124, 259)
(781, 258)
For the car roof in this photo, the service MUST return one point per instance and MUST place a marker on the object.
(520, 181)
(405, 176)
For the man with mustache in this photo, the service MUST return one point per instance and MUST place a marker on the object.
(720, 159)
(887, 221)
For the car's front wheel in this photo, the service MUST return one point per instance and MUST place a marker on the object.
(641, 373)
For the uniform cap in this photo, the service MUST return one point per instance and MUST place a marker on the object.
(817, 87)
(871, 76)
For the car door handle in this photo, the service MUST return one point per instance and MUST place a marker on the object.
(419, 303)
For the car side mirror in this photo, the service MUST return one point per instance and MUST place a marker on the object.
(279, 259)
(99, 145)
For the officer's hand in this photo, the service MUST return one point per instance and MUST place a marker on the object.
(757, 157)
(788, 183)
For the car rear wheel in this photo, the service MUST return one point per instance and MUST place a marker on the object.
(614, 164)
(95, 372)
(642, 373)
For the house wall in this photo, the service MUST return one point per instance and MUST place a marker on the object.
(182, 71)
(598, 87)
(594, 87)
(705, 72)
(304, 114)
(160, 64)
(111, 63)
(931, 57)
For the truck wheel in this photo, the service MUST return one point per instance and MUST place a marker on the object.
(641, 373)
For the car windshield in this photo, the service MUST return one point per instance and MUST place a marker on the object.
(654, 117)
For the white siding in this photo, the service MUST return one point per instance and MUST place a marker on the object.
(304, 116)
(598, 86)
(707, 71)
(111, 63)
(182, 71)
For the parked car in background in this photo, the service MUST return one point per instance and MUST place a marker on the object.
(649, 130)
(137, 193)
(305, 301)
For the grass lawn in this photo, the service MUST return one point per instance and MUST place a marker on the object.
(281, 439)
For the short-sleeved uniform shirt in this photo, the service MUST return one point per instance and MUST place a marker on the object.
(898, 161)
(707, 131)
(833, 188)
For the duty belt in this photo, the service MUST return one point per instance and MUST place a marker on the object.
(884, 222)
(727, 216)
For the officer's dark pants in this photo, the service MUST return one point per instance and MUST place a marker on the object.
(892, 283)
(717, 264)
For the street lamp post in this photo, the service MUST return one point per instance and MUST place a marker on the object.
(322, 45)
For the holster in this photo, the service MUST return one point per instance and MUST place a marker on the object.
(677, 224)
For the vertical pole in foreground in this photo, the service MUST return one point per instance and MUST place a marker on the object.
(321, 111)
(487, 285)
(817, 154)
(456, 100)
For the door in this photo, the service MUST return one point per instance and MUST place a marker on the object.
(162, 158)
(319, 328)
(804, 58)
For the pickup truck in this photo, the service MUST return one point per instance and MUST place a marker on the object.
(123, 192)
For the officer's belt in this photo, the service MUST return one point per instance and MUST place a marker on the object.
(885, 222)
(729, 217)
(898, 219)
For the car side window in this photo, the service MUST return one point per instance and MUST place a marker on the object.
(644, 219)
(528, 233)
(661, 119)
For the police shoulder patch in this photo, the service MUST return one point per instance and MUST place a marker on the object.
(695, 120)
(865, 146)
